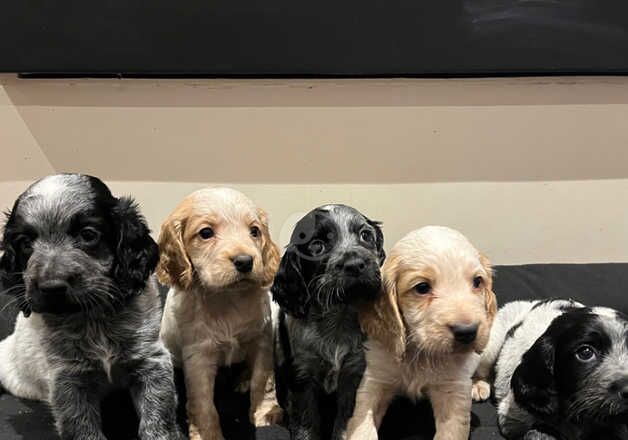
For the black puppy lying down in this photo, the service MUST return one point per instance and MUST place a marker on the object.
(330, 267)
(78, 262)
(561, 371)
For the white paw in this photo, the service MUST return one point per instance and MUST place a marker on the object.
(480, 391)
(267, 415)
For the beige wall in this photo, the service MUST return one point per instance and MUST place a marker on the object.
(538, 167)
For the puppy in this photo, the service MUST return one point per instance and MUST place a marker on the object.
(219, 259)
(79, 262)
(329, 269)
(561, 371)
(425, 333)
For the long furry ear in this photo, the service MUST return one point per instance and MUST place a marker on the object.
(11, 269)
(270, 251)
(491, 298)
(136, 252)
(382, 320)
(289, 288)
(379, 239)
(533, 381)
(175, 268)
(11, 280)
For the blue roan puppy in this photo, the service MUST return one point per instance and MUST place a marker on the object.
(329, 269)
(79, 261)
(560, 370)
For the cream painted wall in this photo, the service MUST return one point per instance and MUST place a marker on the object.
(512, 222)
(537, 167)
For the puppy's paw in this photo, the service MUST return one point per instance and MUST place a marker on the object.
(533, 434)
(212, 434)
(480, 391)
(267, 415)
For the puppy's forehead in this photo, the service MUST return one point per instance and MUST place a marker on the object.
(613, 323)
(344, 216)
(437, 242)
(61, 196)
(223, 202)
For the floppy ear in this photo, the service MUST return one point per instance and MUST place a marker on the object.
(379, 239)
(533, 381)
(490, 297)
(289, 288)
(11, 280)
(382, 320)
(270, 251)
(136, 252)
(175, 267)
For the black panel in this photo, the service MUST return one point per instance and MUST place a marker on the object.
(314, 38)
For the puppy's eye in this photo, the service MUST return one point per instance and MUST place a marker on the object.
(423, 288)
(367, 236)
(89, 236)
(24, 242)
(255, 232)
(586, 353)
(206, 233)
(477, 282)
(316, 247)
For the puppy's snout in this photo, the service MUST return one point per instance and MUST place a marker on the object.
(464, 333)
(621, 388)
(243, 263)
(354, 266)
(56, 287)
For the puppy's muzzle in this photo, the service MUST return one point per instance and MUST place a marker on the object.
(354, 266)
(620, 387)
(243, 263)
(464, 333)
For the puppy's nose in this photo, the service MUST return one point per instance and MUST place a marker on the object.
(243, 263)
(464, 333)
(354, 266)
(54, 287)
(621, 387)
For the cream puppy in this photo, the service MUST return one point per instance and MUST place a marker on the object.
(426, 332)
(219, 259)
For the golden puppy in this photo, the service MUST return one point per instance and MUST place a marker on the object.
(219, 259)
(426, 331)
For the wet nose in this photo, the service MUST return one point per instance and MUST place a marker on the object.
(54, 287)
(621, 388)
(354, 266)
(464, 333)
(243, 263)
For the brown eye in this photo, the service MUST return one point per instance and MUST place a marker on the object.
(89, 236)
(255, 232)
(586, 353)
(477, 282)
(423, 288)
(206, 233)
(24, 242)
(367, 236)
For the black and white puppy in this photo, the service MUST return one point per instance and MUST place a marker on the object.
(330, 267)
(561, 371)
(79, 263)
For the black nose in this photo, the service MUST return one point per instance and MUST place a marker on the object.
(243, 263)
(54, 287)
(464, 333)
(621, 388)
(354, 266)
